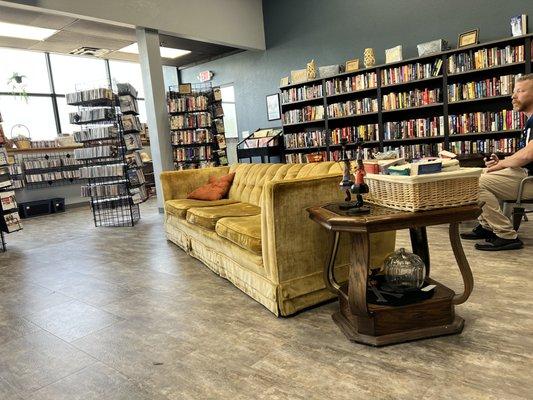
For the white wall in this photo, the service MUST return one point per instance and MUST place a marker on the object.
(237, 23)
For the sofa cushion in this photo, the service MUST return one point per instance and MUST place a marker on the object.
(216, 189)
(179, 208)
(243, 231)
(208, 217)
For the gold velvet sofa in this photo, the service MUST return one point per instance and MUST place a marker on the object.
(261, 238)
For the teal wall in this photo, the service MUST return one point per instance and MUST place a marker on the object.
(333, 31)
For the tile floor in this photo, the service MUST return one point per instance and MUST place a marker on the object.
(120, 313)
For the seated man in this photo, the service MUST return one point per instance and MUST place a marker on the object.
(502, 178)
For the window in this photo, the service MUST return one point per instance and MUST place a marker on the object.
(170, 76)
(28, 63)
(73, 72)
(37, 115)
(230, 115)
(127, 72)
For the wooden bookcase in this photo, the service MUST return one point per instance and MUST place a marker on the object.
(373, 91)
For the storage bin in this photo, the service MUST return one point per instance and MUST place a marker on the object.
(34, 208)
(424, 192)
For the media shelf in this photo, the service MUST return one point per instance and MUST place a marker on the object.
(482, 66)
(197, 132)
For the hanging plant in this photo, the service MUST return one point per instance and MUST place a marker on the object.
(18, 87)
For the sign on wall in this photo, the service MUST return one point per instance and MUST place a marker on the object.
(205, 76)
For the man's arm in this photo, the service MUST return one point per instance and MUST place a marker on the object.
(519, 159)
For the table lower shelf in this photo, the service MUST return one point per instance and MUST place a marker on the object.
(389, 325)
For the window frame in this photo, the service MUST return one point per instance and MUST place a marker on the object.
(53, 95)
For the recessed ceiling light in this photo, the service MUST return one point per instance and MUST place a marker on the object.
(165, 52)
(25, 32)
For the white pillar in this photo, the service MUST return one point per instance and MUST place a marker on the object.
(156, 106)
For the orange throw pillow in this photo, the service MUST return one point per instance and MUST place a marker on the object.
(216, 189)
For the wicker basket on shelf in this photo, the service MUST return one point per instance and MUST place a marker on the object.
(424, 192)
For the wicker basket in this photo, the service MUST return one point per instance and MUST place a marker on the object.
(22, 143)
(424, 192)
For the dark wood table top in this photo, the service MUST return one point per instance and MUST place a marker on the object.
(382, 219)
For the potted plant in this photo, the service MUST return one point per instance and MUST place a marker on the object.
(18, 88)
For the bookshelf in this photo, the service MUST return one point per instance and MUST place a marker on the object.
(9, 216)
(112, 165)
(196, 125)
(458, 100)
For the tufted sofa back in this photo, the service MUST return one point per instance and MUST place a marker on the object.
(251, 178)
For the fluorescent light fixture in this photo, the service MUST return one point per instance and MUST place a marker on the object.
(165, 52)
(25, 32)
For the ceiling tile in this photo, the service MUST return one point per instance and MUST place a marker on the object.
(70, 41)
(102, 30)
(17, 43)
(33, 18)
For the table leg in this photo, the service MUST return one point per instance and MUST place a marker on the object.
(419, 243)
(358, 277)
(462, 262)
(329, 273)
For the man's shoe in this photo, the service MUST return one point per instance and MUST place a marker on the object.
(478, 233)
(500, 244)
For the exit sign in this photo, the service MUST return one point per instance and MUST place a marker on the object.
(205, 76)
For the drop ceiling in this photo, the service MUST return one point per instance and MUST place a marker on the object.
(74, 33)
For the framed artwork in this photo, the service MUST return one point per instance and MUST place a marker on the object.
(468, 38)
(273, 110)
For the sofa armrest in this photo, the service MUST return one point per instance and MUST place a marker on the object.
(294, 246)
(178, 184)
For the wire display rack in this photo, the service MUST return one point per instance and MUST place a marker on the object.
(113, 171)
(9, 216)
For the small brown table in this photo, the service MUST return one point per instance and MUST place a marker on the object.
(380, 325)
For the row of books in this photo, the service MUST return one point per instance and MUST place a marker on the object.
(181, 166)
(496, 86)
(189, 153)
(17, 184)
(416, 151)
(92, 115)
(187, 103)
(95, 152)
(488, 121)
(302, 158)
(15, 169)
(411, 72)
(89, 95)
(365, 132)
(312, 138)
(97, 133)
(488, 146)
(102, 171)
(3, 156)
(109, 189)
(485, 58)
(191, 136)
(200, 120)
(44, 163)
(412, 98)
(414, 128)
(301, 93)
(309, 113)
(353, 107)
(52, 176)
(351, 83)
(336, 155)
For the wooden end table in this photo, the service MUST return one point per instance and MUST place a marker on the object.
(380, 325)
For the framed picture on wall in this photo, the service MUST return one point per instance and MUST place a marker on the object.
(273, 110)
(468, 38)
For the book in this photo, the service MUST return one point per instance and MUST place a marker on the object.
(3, 156)
(8, 201)
(132, 141)
(11, 222)
(519, 25)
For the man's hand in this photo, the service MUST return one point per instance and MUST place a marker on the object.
(491, 161)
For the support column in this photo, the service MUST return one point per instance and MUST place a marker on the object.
(156, 106)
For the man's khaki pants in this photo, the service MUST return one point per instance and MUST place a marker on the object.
(495, 187)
